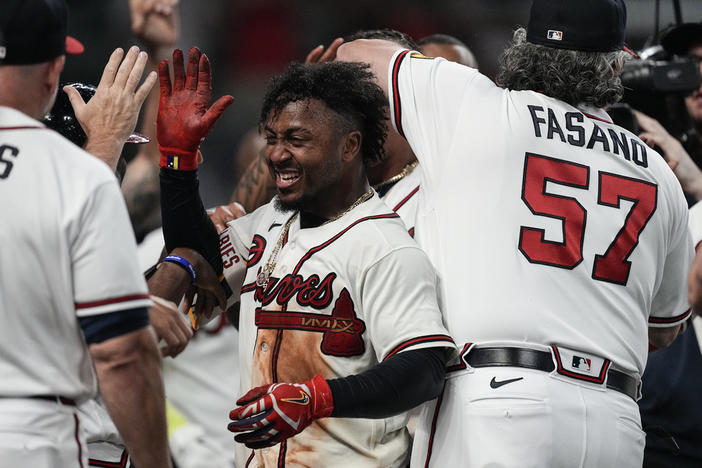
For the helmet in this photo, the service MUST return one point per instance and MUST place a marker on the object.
(62, 118)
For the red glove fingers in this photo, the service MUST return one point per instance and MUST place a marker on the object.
(183, 115)
(272, 413)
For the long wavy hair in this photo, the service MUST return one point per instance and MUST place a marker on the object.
(569, 75)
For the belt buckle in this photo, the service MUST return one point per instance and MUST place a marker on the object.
(580, 365)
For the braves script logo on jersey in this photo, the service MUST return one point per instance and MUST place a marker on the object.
(307, 292)
(342, 329)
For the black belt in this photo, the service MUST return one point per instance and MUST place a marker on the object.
(543, 361)
(54, 398)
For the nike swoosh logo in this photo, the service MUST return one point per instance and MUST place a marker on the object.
(495, 384)
(303, 400)
(274, 225)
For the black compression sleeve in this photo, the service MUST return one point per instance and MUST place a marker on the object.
(185, 221)
(391, 387)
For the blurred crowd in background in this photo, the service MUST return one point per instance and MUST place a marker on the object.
(249, 41)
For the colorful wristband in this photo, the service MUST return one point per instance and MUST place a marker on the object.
(182, 262)
(177, 159)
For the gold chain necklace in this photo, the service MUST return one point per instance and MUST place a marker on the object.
(265, 274)
(407, 170)
(358, 201)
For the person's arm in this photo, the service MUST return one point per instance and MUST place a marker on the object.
(183, 121)
(375, 52)
(397, 384)
(157, 27)
(687, 172)
(255, 187)
(111, 114)
(128, 369)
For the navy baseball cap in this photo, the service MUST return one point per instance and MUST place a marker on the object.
(34, 31)
(587, 25)
(679, 39)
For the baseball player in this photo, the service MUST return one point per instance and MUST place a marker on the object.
(71, 289)
(334, 294)
(565, 246)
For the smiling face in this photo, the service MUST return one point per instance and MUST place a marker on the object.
(306, 150)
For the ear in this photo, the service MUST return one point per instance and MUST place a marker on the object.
(53, 72)
(352, 145)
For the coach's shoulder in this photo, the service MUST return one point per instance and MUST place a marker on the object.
(75, 158)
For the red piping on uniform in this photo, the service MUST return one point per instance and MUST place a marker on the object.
(396, 91)
(26, 127)
(76, 435)
(596, 118)
(406, 199)
(682, 316)
(433, 425)
(114, 300)
(316, 249)
(414, 341)
(281, 454)
(122, 463)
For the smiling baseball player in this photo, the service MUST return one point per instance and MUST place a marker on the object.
(338, 309)
(563, 251)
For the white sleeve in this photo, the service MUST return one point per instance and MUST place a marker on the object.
(670, 306)
(106, 272)
(400, 304)
(234, 243)
(427, 98)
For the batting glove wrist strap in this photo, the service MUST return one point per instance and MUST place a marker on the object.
(270, 414)
(177, 159)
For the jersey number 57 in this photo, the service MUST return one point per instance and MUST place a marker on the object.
(613, 265)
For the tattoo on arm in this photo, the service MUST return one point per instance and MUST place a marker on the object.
(256, 187)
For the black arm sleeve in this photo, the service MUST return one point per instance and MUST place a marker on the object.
(391, 387)
(185, 221)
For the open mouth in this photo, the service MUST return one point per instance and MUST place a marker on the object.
(285, 178)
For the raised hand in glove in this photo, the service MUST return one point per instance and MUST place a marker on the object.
(270, 414)
(183, 116)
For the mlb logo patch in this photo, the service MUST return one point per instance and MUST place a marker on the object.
(582, 363)
(554, 35)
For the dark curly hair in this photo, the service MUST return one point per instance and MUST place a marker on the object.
(569, 75)
(349, 89)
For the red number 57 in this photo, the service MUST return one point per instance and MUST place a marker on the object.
(613, 265)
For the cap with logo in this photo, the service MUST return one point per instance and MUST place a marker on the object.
(34, 31)
(585, 25)
(679, 39)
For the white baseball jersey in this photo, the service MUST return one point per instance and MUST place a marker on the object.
(342, 297)
(67, 251)
(403, 196)
(547, 223)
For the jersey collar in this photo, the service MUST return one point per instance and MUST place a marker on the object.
(594, 112)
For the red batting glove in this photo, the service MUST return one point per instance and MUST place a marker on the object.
(183, 117)
(272, 413)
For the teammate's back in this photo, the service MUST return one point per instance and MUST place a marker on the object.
(564, 218)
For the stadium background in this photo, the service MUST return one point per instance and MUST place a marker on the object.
(248, 41)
